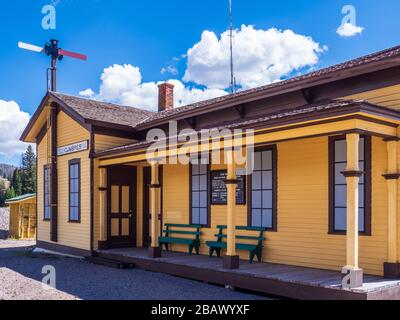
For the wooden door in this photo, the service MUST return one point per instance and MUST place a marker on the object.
(122, 206)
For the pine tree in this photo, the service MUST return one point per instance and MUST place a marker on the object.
(10, 193)
(28, 171)
(2, 193)
(17, 182)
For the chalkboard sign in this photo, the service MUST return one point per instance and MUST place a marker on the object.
(219, 193)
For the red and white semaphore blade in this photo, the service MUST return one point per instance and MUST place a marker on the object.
(70, 54)
(30, 47)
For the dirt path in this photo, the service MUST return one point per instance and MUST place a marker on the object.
(21, 275)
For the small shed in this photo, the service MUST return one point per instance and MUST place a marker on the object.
(23, 217)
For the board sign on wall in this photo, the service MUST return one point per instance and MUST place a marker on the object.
(219, 193)
(76, 147)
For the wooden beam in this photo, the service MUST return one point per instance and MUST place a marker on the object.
(308, 95)
(241, 110)
(53, 179)
(191, 122)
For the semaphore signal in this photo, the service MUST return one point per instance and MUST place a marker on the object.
(52, 50)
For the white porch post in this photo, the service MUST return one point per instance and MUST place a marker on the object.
(352, 272)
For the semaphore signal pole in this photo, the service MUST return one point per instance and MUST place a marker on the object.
(52, 50)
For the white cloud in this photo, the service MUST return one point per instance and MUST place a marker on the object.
(123, 84)
(12, 123)
(260, 57)
(348, 30)
(171, 70)
(88, 93)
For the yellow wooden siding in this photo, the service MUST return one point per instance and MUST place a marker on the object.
(75, 235)
(303, 201)
(43, 227)
(387, 96)
(104, 142)
(398, 205)
(23, 219)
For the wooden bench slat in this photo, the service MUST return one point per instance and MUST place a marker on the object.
(240, 246)
(244, 228)
(192, 226)
(241, 237)
(170, 238)
(175, 240)
(254, 249)
(195, 233)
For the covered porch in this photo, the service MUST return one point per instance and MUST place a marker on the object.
(273, 279)
(302, 234)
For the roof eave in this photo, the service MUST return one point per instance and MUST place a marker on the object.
(34, 118)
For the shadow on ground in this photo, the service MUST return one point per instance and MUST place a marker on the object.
(92, 282)
(3, 234)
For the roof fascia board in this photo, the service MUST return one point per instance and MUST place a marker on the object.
(70, 112)
(35, 116)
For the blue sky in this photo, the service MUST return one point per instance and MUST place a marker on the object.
(149, 34)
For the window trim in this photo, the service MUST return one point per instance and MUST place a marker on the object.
(367, 186)
(208, 225)
(46, 167)
(274, 150)
(70, 163)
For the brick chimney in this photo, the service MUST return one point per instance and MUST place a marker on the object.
(165, 97)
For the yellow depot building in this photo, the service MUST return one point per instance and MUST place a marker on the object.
(323, 194)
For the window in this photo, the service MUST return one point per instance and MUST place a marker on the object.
(199, 182)
(263, 190)
(338, 186)
(74, 190)
(46, 193)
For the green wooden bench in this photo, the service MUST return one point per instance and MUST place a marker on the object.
(172, 232)
(255, 249)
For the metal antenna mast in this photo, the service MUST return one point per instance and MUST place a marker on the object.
(233, 86)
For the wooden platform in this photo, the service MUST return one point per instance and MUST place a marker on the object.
(273, 279)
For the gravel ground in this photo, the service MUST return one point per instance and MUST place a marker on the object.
(4, 222)
(20, 278)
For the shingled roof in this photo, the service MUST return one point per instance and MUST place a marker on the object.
(308, 79)
(93, 110)
(127, 118)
